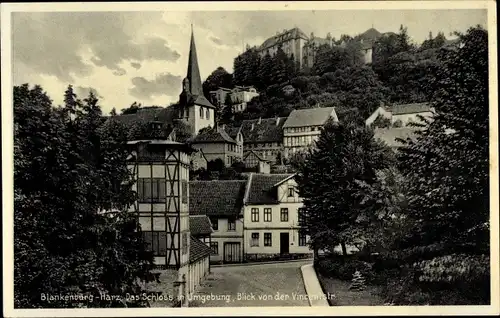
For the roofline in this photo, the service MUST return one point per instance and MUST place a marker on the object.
(247, 189)
(286, 179)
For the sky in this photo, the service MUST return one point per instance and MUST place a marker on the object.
(142, 56)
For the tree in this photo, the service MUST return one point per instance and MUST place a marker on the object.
(346, 154)
(218, 78)
(447, 171)
(66, 170)
(132, 109)
(265, 72)
(227, 112)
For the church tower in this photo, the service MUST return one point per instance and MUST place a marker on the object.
(194, 108)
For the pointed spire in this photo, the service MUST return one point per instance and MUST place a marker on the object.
(193, 71)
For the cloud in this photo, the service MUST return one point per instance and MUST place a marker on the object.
(163, 84)
(216, 40)
(54, 43)
(135, 65)
(83, 92)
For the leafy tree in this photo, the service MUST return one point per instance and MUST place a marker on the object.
(132, 109)
(227, 111)
(62, 244)
(447, 172)
(346, 154)
(265, 72)
(218, 78)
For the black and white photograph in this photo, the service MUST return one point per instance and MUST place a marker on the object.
(250, 158)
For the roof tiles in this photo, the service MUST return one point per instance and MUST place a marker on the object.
(217, 197)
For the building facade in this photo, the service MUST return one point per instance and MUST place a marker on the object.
(291, 41)
(215, 144)
(254, 163)
(222, 202)
(311, 47)
(264, 136)
(241, 95)
(303, 127)
(401, 115)
(272, 216)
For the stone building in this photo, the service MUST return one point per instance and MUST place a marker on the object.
(400, 115)
(311, 47)
(291, 41)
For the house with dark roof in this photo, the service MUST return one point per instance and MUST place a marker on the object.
(291, 41)
(272, 218)
(200, 227)
(254, 163)
(264, 136)
(303, 127)
(400, 115)
(222, 202)
(216, 143)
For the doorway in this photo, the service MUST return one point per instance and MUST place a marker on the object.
(284, 243)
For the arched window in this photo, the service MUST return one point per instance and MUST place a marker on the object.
(208, 113)
(201, 112)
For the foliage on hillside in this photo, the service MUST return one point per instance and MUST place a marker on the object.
(67, 168)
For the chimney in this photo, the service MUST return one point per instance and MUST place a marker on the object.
(260, 120)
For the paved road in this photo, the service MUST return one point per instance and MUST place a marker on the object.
(277, 284)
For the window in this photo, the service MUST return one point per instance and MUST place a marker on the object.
(208, 113)
(268, 239)
(301, 216)
(255, 239)
(302, 239)
(291, 191)
(215, 224)
(268, 212)
(284, 214)
(215, 247)
(156, 242)
(151, 190)
(231, 225)
(255, 215)
(201, 112)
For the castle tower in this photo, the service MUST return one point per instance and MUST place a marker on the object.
(194, 108)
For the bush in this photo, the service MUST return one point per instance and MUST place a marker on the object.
(343, 267)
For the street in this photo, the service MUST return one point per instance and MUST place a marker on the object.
(277, 284)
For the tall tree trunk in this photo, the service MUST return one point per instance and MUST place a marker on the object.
(344, 248)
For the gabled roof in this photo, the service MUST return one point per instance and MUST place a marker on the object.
(212, 136)
(216, 197)
(294, 33)
(410, 108)
(200, 225)
(198, 250)
(256, 155)
(262, 188)
(309, 117)
(233, 131)
(390, 135)
(265, 131)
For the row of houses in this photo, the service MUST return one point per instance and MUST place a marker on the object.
(250, 219)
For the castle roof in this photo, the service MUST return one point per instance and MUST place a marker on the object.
(288, 35)
(309, 117)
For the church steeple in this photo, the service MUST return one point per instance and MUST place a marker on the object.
(193, 71)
